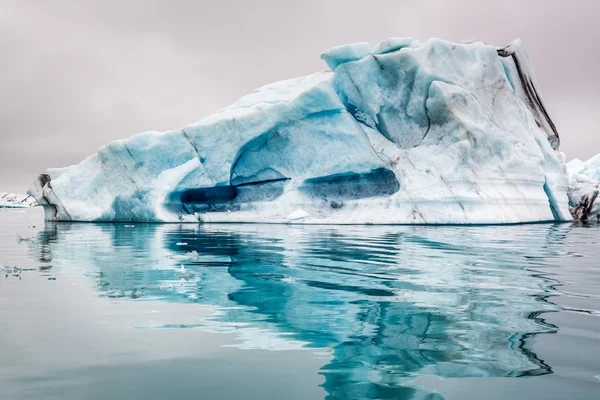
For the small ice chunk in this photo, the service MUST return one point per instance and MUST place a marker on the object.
(185, 274)
(191, 256)
(135, 293)
(116, 294)
(181, 243)
(23, 239)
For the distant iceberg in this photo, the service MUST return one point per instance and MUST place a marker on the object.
(401, 133)
(12, 200)
(584, 188)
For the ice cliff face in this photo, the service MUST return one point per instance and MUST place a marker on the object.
(406, 132)
(12, 200)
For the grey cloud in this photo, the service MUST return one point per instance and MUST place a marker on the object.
(76, 75)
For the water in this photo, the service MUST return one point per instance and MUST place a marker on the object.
(97, 311)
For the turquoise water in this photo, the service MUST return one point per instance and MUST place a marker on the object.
(101, 311)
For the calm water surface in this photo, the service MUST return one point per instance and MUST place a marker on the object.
(116, 311)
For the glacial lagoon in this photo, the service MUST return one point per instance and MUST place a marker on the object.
(258, 311)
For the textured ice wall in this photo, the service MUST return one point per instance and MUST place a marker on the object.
(409, 132)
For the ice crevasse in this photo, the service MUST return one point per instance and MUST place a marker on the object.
(403, 132)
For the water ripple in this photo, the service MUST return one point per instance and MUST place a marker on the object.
(391, 303)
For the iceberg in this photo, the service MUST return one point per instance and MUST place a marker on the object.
(584, 187)
(12, 200)
(401, 133)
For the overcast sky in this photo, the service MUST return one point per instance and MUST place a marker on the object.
(75, 75)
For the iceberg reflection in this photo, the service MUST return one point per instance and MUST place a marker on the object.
(390, 302)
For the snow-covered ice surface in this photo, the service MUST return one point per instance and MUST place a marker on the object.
(12, 200)
(406, 132)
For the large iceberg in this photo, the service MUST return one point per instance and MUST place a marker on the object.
(404, 132)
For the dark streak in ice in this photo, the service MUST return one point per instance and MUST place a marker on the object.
(582, 211)
(535, 102)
